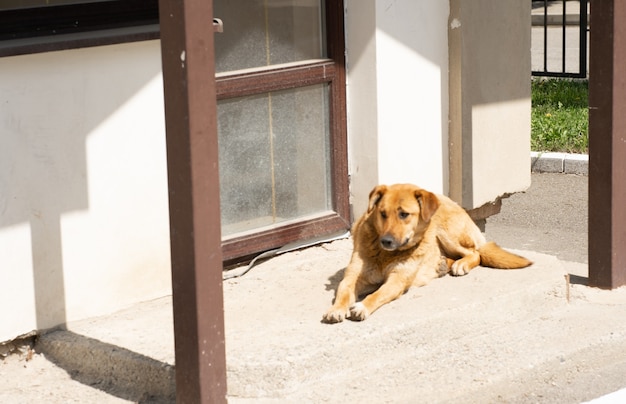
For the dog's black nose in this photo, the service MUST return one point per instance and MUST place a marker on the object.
(387, 242)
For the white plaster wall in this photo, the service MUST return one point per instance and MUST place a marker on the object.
(499, 154)
(361, 100)
(397, 57)
(18, 295)
(490, 100)
(499, 89)
(83, 184)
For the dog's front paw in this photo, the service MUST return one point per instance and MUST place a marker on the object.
(334, 315)
(358, 312)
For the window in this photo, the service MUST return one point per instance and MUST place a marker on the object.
(281, 103)
(30, 26)
(281, 122)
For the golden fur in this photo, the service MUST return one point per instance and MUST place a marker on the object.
(407, 237)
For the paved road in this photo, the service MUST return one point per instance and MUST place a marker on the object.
(550, 217)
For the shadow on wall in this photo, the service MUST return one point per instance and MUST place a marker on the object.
(51, 105)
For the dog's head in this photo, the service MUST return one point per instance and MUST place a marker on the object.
(400, 214)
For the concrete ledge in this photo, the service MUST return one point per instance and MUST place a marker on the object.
(490, 336)
(114, 369)
(128, 354)
(566, 163)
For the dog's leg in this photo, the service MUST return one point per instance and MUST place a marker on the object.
(431, 264)
(464, 248)
(465, 264)
(348, 290)
(346, 296)
(395, 285)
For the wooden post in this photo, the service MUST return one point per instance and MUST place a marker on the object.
(607, 144)
(190, 111)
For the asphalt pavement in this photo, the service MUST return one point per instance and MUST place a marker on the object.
(550, 217)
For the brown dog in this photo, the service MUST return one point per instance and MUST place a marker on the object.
(409, 236)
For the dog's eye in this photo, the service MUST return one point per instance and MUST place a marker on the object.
(383, 214)
(403, 215)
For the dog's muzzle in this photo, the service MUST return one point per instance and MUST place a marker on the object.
(389, 243)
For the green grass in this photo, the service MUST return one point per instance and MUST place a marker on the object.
(560, 116)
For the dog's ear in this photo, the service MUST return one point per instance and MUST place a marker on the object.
(428, 204)
(375, 196)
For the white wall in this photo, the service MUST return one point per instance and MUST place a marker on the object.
(490, 100)
(397, 95)
(83, 186)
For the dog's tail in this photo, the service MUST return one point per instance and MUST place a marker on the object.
(491, 255)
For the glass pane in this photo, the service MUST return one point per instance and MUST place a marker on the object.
(260, 33)
(274, 158)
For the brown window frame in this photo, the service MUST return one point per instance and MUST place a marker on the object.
(332, 72)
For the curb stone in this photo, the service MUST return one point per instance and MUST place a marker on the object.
(566, 163)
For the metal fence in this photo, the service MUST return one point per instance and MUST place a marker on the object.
(559, 19)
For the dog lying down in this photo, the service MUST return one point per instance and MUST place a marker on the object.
(407, 237)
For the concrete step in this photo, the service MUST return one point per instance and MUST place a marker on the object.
(490, 336)
(128, 354)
